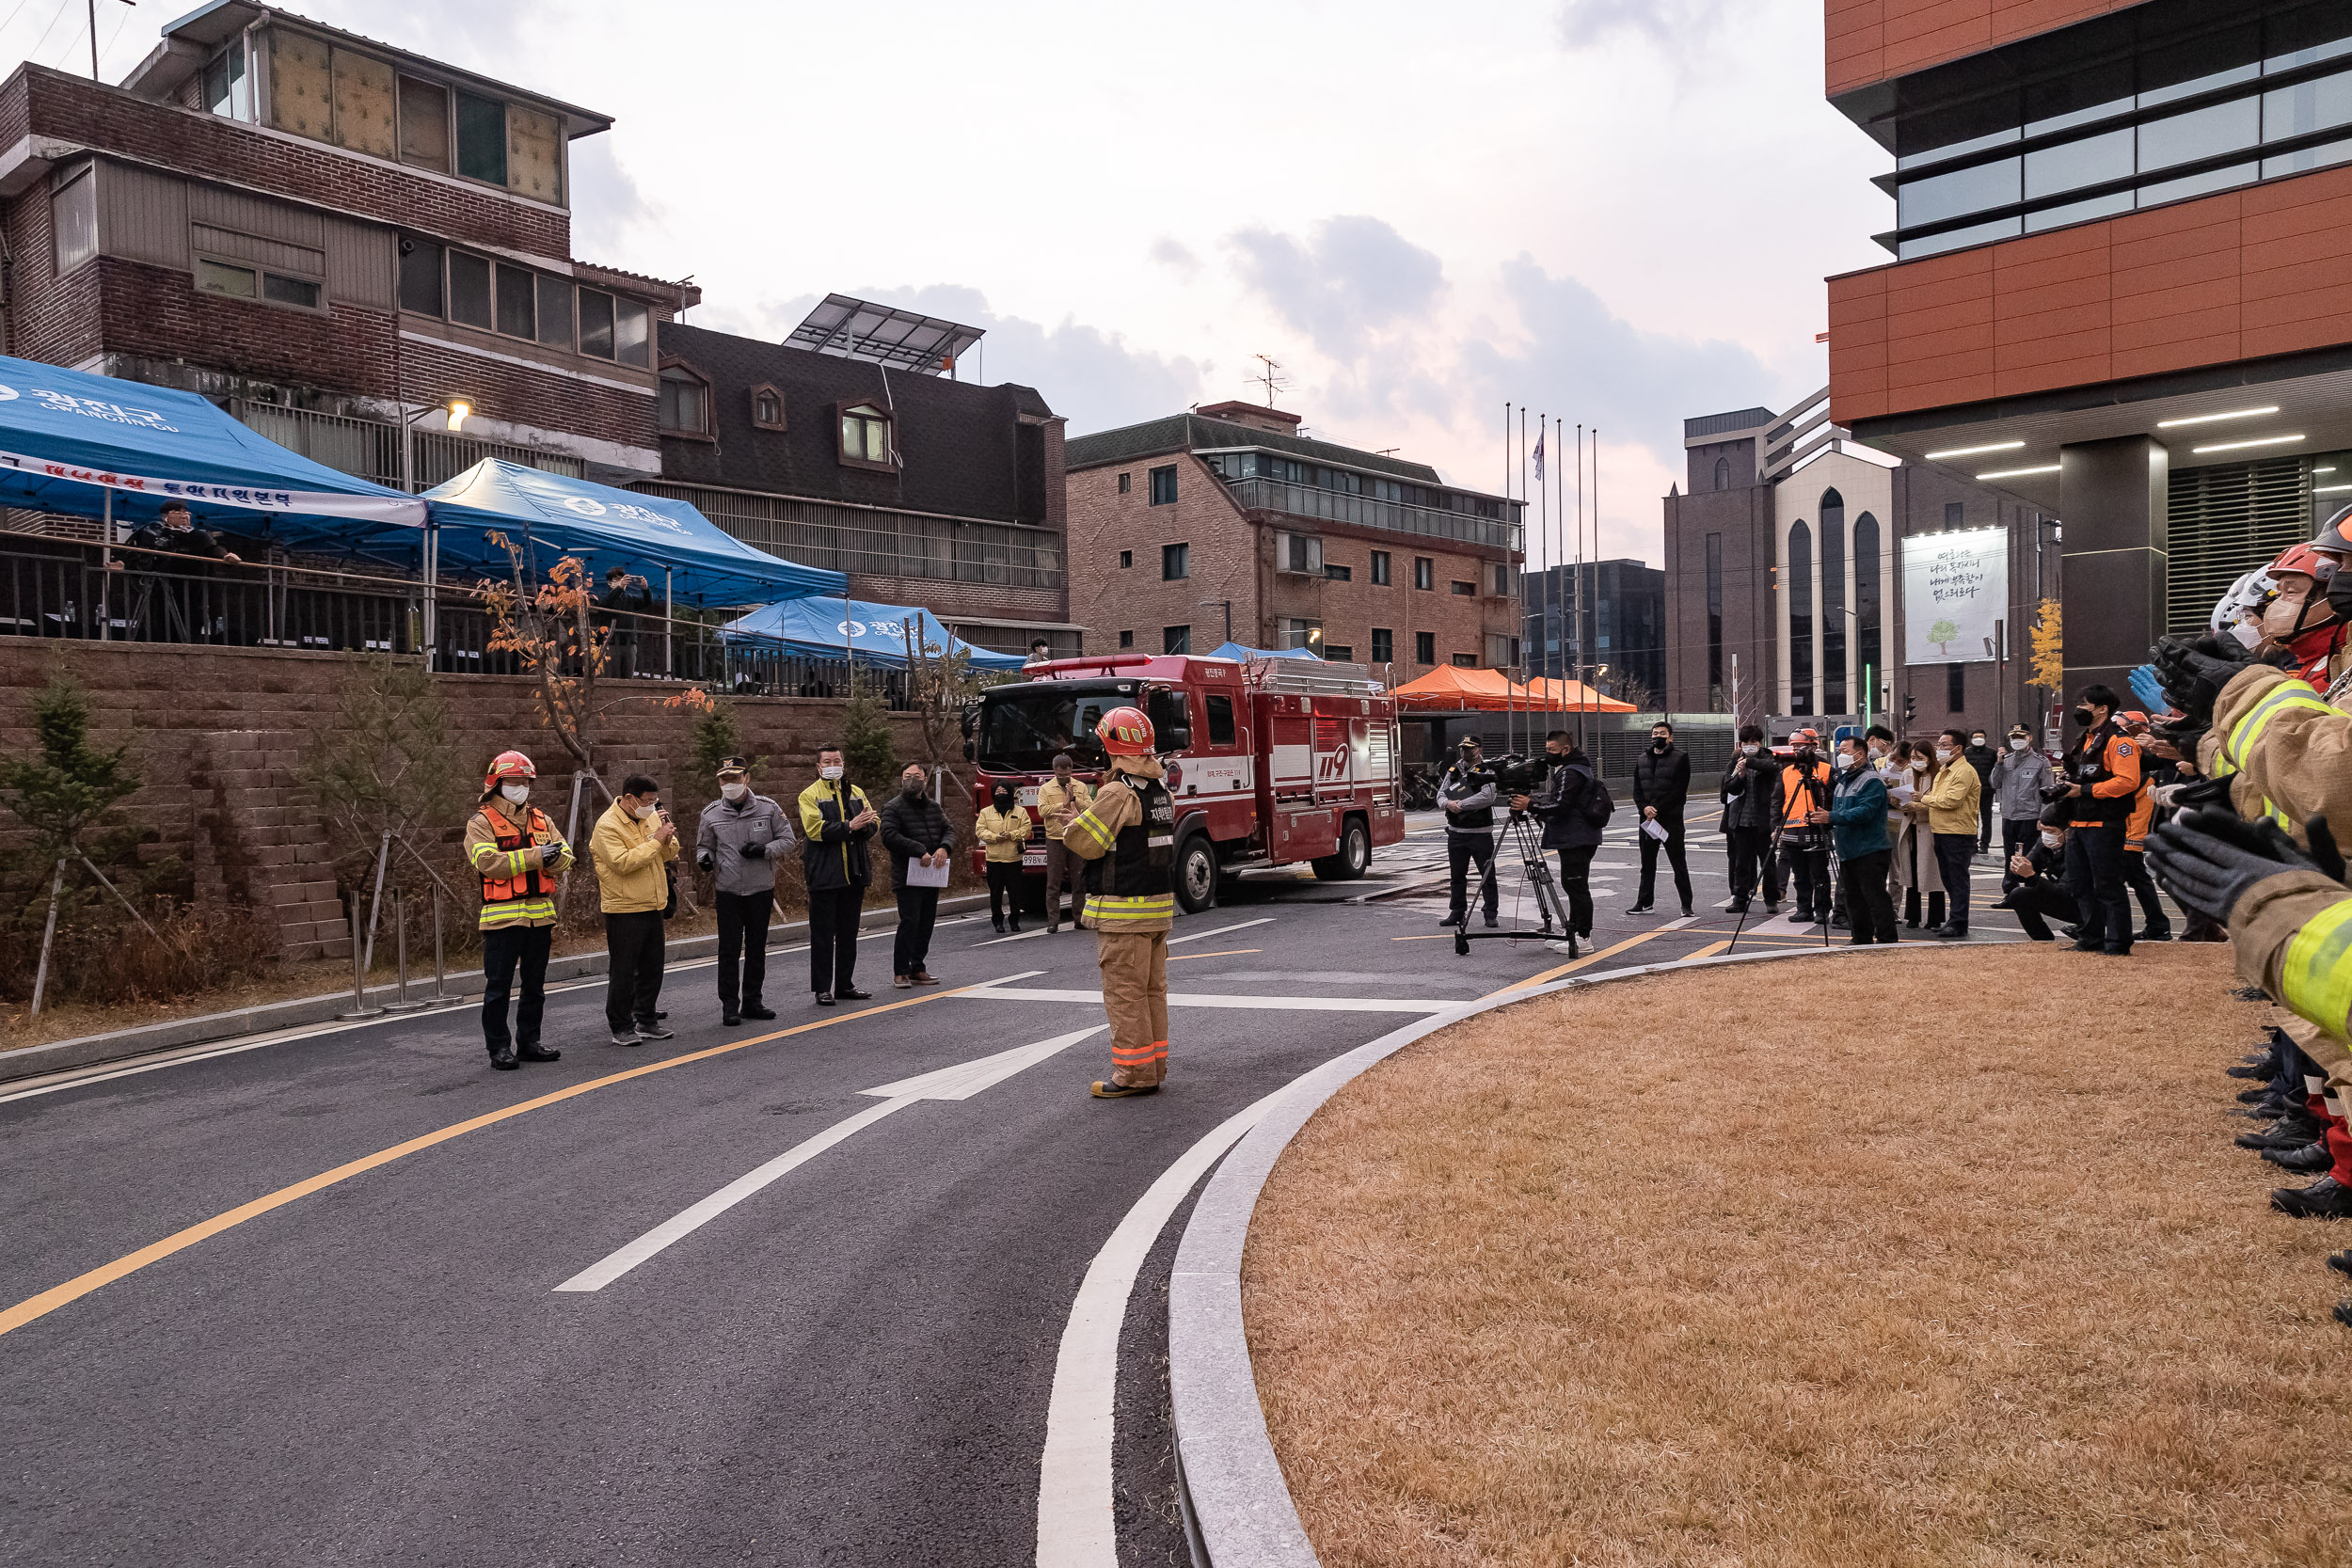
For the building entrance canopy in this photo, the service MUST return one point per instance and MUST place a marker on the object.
(92, 446)
(871, 633)
(668, 543)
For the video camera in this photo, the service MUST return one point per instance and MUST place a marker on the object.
(1514, 774)
(2052, 793)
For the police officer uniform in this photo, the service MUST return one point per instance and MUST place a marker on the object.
(1127, 837)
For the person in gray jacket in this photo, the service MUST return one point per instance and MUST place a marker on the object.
(743, 836)
(2018, 779)
(1468, 795)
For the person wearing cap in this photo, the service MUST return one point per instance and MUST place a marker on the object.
(2018, 780)
(1468, 795)
(512, 845)
(742, 837)
(1981, 758)
(2156, 926)
(1804, 791)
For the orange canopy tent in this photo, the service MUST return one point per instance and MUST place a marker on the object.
(1449, 687)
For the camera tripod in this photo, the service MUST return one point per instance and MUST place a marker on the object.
(1519, 830)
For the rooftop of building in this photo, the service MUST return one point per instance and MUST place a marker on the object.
(1706, 426)
(1198, 431)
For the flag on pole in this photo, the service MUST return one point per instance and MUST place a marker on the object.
(1539, 456)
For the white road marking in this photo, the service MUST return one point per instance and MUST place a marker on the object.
(1189, 999)
(1197, 936)
(1022, 936)
(1678, 925)
(955, 1083)
(1074, 1525)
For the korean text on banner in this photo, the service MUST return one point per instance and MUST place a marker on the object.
(1955, 594)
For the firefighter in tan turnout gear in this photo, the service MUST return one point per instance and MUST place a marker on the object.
(1127, 837)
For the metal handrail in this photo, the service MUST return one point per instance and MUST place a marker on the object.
(1339, 506)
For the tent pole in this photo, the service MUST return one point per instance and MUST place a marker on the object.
(105, 564)
(432, 590)
(668, 610)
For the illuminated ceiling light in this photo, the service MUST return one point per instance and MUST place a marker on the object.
(459, 410)
(2020, 473)
(2330, 489)
(1974, 452)
(2209, 419)
(2241, 446)
(2328, 469)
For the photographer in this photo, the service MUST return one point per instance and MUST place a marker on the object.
(1751, 789)
(2037, 891)
(624, 598)
(1574, 806)
(1804, 790)
(1466, 792)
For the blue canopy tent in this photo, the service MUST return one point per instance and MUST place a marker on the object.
(92, 446)
(1236, 652)
(548, 517)
(873, 633)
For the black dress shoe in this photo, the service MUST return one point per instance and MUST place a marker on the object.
(2152, 934)
(2340, 1262)
(757, 1010)
(1016, 927)
(2288, 1132)
(2344, 1313)
(824, 999)
(537, 1054)
(1686, 912)
(729, 1021)
(1000, 928)
(503, 1059)
(1491, 921)
(2322, 1201)
(2310, 1160)
(849, 994)
(2248, 1096)
(2257, 1070)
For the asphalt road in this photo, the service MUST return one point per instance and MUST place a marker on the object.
(850, 1363)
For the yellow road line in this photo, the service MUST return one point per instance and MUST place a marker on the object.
(1710, 950)
(1229, 952)
(1579, 963)
(81, 1285)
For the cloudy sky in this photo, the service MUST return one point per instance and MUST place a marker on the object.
(1617, 212)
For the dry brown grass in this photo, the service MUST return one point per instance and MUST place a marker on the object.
(1647, 1275)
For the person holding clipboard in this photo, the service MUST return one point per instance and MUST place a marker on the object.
(916, 833)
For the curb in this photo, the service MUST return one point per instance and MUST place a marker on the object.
(1239, 1497)
(35, 1061)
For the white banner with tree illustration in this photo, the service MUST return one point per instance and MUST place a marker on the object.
(1955, 594)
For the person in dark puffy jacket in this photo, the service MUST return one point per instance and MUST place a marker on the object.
(1466, 795)
(1752, 805)
(1662, 787)
(1565, 805)
(914, 829)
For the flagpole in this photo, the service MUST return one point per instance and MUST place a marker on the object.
(1543, 525)
(1510, 698)
(1559, 530)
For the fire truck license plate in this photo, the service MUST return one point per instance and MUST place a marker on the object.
(1033, 857)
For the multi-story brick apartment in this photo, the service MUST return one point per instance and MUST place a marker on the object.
(327, 235)
(866, 459)
(1225, 522)
(2122, 287)
(1785, 588)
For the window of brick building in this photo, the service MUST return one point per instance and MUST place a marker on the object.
(1339, 653)
(1465, 661)
(421, 263)
(555, 311)
(1383, 645)
(767, 409)
(865, 436)
(1126, 483)
(1337, 573)
(482, 138)
(1175, 562)
(1126, 640)
(1164, 485)
(1425, 647)
(222, 277)
(1465, 589)
(1175, 639)
(518, 301)
(1424, 574)
(423, 124)
(1498, 579)
(74, 219)
(470, 291)
(228, 86)
(683, 402)
(1126, 559)
(1381, 568)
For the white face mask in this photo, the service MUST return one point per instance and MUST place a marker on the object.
(2247, 632)
(1943, 754)
(517, 793)
(2051, 839)
(1750, 747)
(1877, 750)
(1844, 762)
(735, 791)
(831, 775)
(1919, 767)
(2017, 743)
(645, 814)
(1976, 740)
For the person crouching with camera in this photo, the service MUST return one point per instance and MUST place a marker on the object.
(1467, 793)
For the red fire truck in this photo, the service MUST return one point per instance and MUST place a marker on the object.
(1271, 762)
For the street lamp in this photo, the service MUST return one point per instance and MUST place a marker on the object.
(457, 410)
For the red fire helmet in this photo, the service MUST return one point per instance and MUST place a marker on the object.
(1124, 732)
(507, 764)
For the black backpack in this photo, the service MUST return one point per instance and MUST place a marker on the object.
(1596, 805)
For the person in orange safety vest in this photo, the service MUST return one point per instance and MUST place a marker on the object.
(2102, 778)
(518, 854)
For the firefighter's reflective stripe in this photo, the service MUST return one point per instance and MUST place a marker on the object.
(513, 894)
(2248, 732)
(1109, 912)
(1096, 831)
(2317, 974)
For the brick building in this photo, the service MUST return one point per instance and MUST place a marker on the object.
(324, 234)
(925, 489)
(2120, 287)
(1785, 583)
(1224, 521)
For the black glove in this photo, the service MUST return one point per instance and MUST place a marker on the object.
(706, 860)
(2194, 671)
(2209, 859)
(754, 851)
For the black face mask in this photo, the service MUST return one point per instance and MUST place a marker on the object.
(911, 788)
(2082, 717)
(1662, 744)
(1004, 801)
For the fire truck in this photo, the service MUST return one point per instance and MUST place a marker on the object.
(1271, 762)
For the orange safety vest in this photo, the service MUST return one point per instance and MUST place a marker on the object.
(2143, 813)
(1796, 798)
(507, 890)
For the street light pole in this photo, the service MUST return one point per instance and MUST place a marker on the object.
(457, 409)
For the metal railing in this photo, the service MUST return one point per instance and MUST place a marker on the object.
(369, 449)
(74, 589)
(875, 541)
(1306, 500)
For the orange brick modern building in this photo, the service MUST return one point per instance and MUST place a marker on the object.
(1226, 522)
(2123, 279)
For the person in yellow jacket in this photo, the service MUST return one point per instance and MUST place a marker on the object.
(1951, 805)
(1002, 828)
(633, 845)
(512, 845)
(1060, 800)
(1128, 839)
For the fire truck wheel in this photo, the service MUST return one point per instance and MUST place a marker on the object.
(1196, 874)
(1353, 855)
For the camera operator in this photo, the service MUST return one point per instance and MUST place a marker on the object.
(624, 599)
(2037, 891)
(1752, 805)
(1804, 790)
(1466, 792)
(1574, 806)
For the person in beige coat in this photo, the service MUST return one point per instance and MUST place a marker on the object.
(1912, 872)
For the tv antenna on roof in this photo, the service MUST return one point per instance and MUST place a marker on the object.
(1270, 378)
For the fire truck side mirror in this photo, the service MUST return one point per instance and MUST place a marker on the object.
(1178, 738)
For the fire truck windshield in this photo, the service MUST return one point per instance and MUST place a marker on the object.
(1019, 732)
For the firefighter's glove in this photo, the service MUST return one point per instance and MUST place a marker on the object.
(754, 851)
(2210, 859)
(2194, 671)
(2185, 736)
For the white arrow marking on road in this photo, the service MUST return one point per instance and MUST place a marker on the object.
(1189, 999)
(1197, 936)
(1074, 1525)
(960, 1082)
